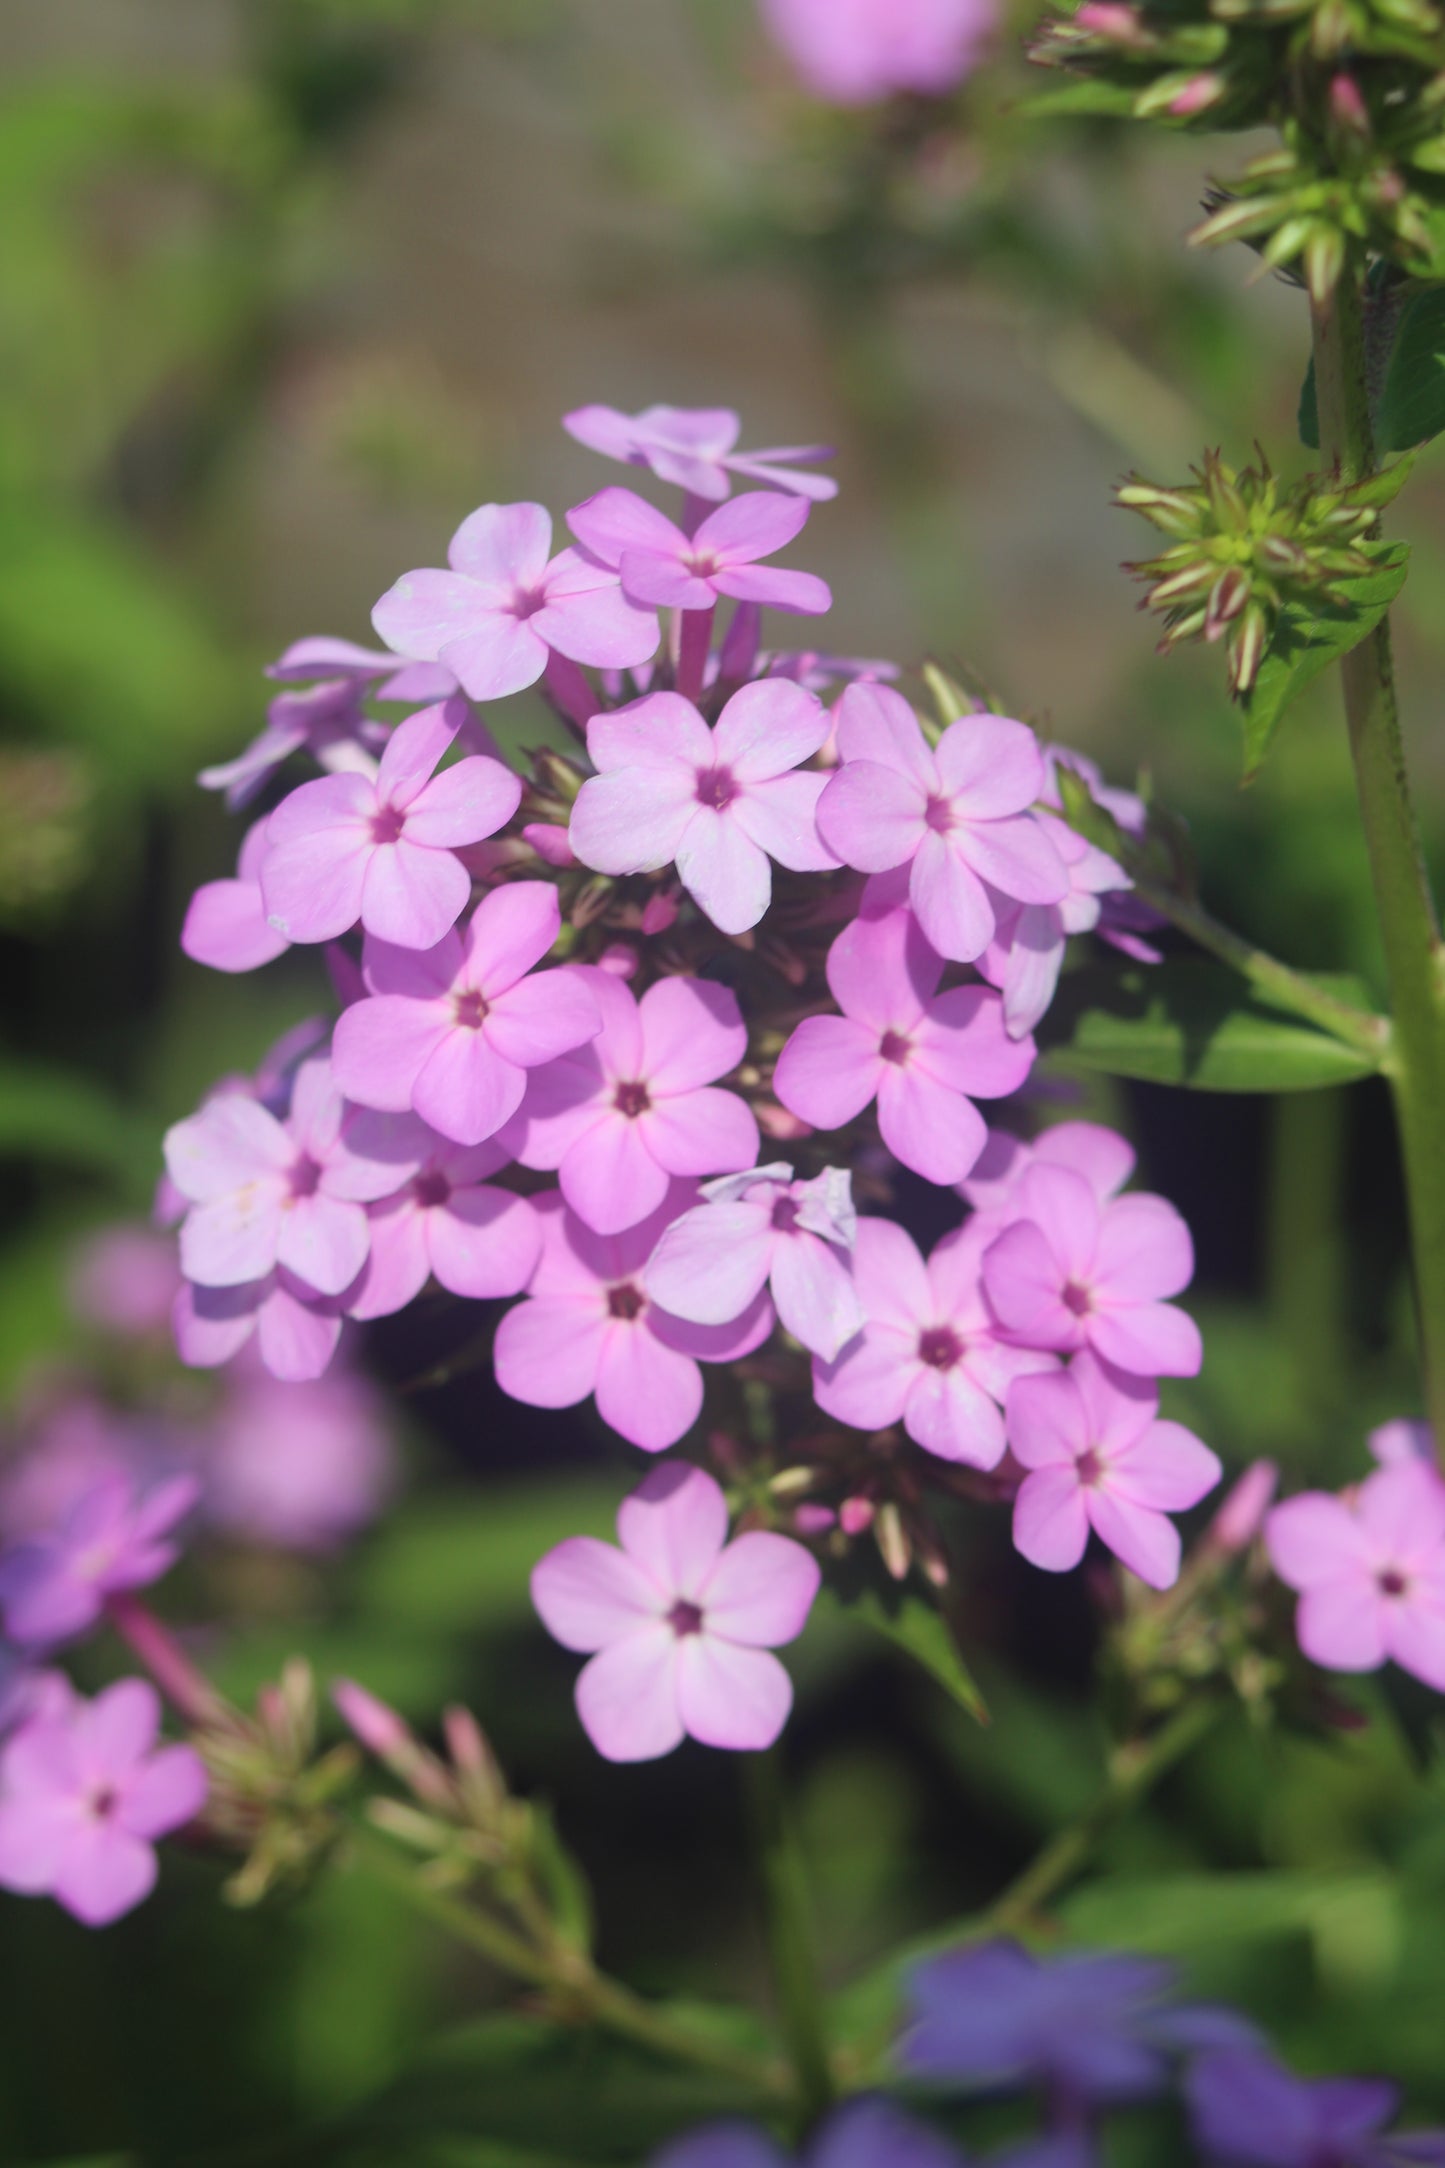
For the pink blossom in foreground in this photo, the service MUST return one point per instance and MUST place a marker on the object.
(84, 1793)
(451, 1031)
(719, 803)
(305, 1467)
(855, 52)
(326, 720)
(1370, 1569)
(265, 1193)
(506, 603)
(452, 1225)
(1098, 1457)
(1100, 1155)
(1027, 951)
(589, 1326)
(956, 815)
(383, 849)
(678, 1622)
(930, 1355)
(924, 1055)
(116, 1536)
(693, 447)
(1072, 1271)
(623, 1115)
(295, 1329)
(662, 566)
(225, 925)
(759, 1230)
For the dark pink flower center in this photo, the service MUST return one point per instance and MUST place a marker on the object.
(431, 1188)
(626, 1301)
(702, 564)
(716, 788)
(1391, 1582)
(305, 1177)
(1077, 1298)
(103, 1802)
(631, 1099)
(939, 1347)
(387, 824)
(785, 1213)
(685, 1618)
(1090, 1468)
(469, 1010)
(895, 1046)
(527, 601)
(938, 814)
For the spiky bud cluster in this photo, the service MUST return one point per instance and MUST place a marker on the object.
(271, 1796)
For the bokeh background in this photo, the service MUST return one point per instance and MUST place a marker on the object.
(289, 286)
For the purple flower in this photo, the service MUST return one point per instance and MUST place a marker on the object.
(83, 1795)
(1027, 951)
(693, 447)
(296, 1330)
(113, 1537)
(923, 1055)
(451, 1031)
(1402, 1439)
(383, 849)
(1244, 2108)
(325, 719)
(956, 815)
(623, 1115)
(1098, 1457)
(589, 1326)
(506, 603)
(855, 52)
(718, 803)
(451, 1225)
(320, 655)
(678, 1623)
(302, 1466)
(225, 925)
(1370, 1568)
(763, 1229)
(662, 566)
(868, 2132)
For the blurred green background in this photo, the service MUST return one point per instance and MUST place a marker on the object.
(287, 287)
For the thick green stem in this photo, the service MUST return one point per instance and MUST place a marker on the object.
(1409, 929)
(789, 1927)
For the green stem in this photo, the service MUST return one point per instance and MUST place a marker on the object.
(789, 1927)
(1409, 929)
(1305, 1259)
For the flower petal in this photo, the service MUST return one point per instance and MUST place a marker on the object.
(627, 1697)
(729, 1696)
(589, 1594)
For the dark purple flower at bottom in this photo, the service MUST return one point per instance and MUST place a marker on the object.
(868, 2133)
(1245, 2109)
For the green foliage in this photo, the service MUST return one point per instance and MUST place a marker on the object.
(1409, 408)
(53, 1114)
(1307, 640)
(911, 1623)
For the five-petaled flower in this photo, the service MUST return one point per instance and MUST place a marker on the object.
(1370, 1570)
(661, 566)
(693, 448)
(114, 1537)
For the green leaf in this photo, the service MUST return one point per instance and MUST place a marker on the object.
(1307, 642)
(1309, 410)
(918, 1628)
(1178, 1915)
(1412, 405)
(466, 1562)
(1193, 1023)
(1082, 99)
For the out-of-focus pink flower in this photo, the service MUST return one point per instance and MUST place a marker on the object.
(451, 1031)
(1071, 1271)
(760, 1230)
(449, 1224)
(302, 1466)
(1100, 1155)
(661, 566)
(326, 720)
(116, 1536)
(856, 52)
(1027, 951)
(623, 1115)
(1402, 1439)
(925, 1056)
(383, 849)
(589, 1326)
(956, 815)
(296, 1330)
(1241, 1515)
(83, 1796)
(124, 1279)
(693, 447)
(679, 1622)
(930, 1355)
(225, 925)
(320, 655)
(718, 803)
(1370, 1569)
(507, 603)
(1098, 1457)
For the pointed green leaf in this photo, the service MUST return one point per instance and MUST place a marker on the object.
(1412, 405)
(1080, 99)
(1307, 642)
(916, 1627)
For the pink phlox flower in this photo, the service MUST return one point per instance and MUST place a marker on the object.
(678, 1622)
(383, 849)
(1100, 1155)
(1123, 921)
(923, 1055)
(1098, 1457)
(956, 815)
(321, 656)
(123, 1280)
(1402, 1439)
(693, 448)
(115, 1536)
(266, 1193)
(506, 603)
(1370, 1569)
(820, 672)
(623, 1115)
(763, 1229)
(452, 1225)
(294, 1330)
(326, 720)
(225, 925)
(718, 803)
(930, 1355)
(452, 1031)
(304, 1467)
(1026, 953)
(26, 1693)
(589, 1326)
(855, 52)
(662, 566)
(1073, 1271)
(83, 1795)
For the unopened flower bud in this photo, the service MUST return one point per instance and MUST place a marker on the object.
(619, 959)
(1227, 598)
(1247, 648)
(659, 913)
(855, 1516)
(550, 843)
(1241, 1516)
(1324, 261)
(813, 1520)
(891, 1537)
(1347, 105)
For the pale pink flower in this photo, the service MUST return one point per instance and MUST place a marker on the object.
(296, 1331)
(115, 1536)
(956, 815)
(1026, 953)
(662, 566)
(678, 1622)
(855, 52)
(763, 1229)
(225, 925)
(452, 1225)
(84, 1792)
(623, 1115)
(920, 1053)
(1100, 1155)
(589, 1326)
(305, 1467)
(507, 602)
(693, 447)
(929, 1355)
(718, 803)
(1098, 1457)
(384, 849)
(1072, 1271)
(1402, 1439)
(1370, 1569)
(451, 1031)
